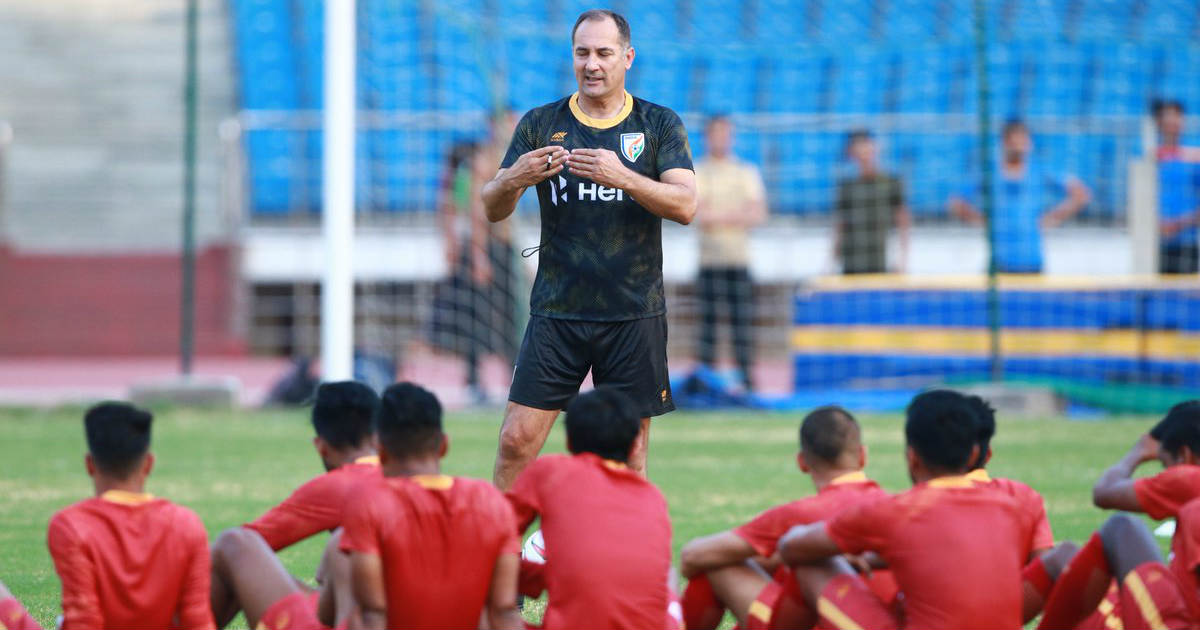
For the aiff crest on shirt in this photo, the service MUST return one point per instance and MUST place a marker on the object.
(632, 145)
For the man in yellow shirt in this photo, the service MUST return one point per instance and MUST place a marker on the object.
(731, 199)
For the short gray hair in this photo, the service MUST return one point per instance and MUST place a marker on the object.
(597, 15)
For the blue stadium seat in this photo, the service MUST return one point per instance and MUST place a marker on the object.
(847, 21)
(862, 76)
(911, 21)
(729, 81)
(1180, 65)
(1172, 20)
(1104, 19)
(797, 81)
(663, 75)
(923, 80)
(1120, 78)
(716, 21)
(654, 23)
(532, 72)
(781, 21)
(1059, 80)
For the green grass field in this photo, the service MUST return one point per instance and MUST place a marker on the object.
(716, 470)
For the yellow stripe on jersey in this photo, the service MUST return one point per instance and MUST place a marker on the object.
(124, 497)
(835, 616)
(760, 611)
(434, 482)
(600, 123)
(850, 477)
(1144, 602)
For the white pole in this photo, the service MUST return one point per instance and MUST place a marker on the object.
(337, 292)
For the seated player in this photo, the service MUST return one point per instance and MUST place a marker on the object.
(730, 569)
(258, 585)
(342, 417)
(1042, 568)
(428, 550)
(127, 559)
(13, 615)
(606, 529)
(956, 547)
(1086, 588)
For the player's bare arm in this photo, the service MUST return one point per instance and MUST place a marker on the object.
(713, 552)
(366, 577)
(672, 197)
(502, 597)
(500, 195)
(1114, 490)
(806, 544)
(965, 211)
(1078, 196)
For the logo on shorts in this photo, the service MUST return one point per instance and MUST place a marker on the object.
(632, 145)
(663, 395)
(558, 136)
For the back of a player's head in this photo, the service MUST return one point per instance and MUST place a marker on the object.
(409, 421)
(1180, 428)
(858, 135)
(828, 436)
(599, 15)
(985, 416)
(603, 422)
(1159, 106)
(941, 428)
(118, 437)
(343, 413)
(1013, 126)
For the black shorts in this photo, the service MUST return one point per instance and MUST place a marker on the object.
(556, 355)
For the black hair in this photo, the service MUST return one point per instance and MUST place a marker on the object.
(409, 421)
(1160, 105)
(603, 14)
(858, 134)
(985, 417)
(343, 412)
(604, 422)
(942, 428)
(118, 437)
(1013, 125)
(460, 153)
(827, 433)
(1182, 428)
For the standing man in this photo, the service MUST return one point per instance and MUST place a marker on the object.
(608, 168)
(731, 199)
(1178, 192)
(867, 207)
(1019, 194)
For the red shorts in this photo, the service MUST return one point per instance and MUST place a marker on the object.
(531, 581)
(1152, 598)
(13, 616)
(297, 611)
(1107, 615)
(763, 608)
(848, 602)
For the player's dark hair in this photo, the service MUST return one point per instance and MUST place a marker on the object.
(596, 15)
(118, 436)
(714, 119)
(1012, 126)
(856, 135)
(1182, 428)
(1160, 105)
(827, 433)
(343, 413)
(460, 154)
(409, 421)
(941, 426)
(985, 417)
(604, 422)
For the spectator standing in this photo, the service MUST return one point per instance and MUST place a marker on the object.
(731, 199)
(1019, 193)
(868, 206)
(1178, 190)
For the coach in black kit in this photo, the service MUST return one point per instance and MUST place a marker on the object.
(608, 168)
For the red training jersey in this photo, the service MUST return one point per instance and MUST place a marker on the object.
(438, 538)
(130, 560)
(608, 541)
(765, 530)
(1029, 499)
(955, 547)
(1173, 493)
(315, 506)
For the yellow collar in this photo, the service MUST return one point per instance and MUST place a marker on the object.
(614, 464)
(368, 459)
(600, 123)
(433, 482)
(953, 481)
(851, 477)
(980, 475)
(124, 497)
